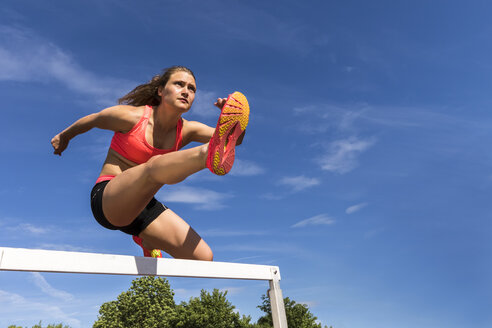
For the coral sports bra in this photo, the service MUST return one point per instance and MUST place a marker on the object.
(134, 146)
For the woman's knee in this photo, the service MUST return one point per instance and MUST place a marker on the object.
(204, 254)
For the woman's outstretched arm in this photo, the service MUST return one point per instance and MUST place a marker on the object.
(117, 118)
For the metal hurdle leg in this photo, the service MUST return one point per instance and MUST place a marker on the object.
(277, 301)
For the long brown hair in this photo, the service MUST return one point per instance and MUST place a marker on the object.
(146, 94)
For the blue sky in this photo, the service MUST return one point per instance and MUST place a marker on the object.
(365, 174)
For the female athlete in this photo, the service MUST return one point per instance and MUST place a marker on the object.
(145, 155)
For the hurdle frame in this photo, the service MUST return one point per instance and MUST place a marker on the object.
(38, 260)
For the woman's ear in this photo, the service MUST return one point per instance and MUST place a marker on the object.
(159, 91)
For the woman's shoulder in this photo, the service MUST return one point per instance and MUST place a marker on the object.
(122, 118)
(128, 108)
(126, 111)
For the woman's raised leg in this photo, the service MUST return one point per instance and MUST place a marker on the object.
(127, 194)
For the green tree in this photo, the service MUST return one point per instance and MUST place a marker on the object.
(39, 326)
(149, 303)
(298, 315)
(210, 310)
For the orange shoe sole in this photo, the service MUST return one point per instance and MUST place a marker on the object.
(232, 122)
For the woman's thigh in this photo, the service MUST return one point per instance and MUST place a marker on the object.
(126, 195)
(173, 235)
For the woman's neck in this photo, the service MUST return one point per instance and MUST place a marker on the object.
(164, 118)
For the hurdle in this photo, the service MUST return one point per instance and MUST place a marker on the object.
(38, 260)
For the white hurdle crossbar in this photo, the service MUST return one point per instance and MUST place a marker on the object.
(37, 260)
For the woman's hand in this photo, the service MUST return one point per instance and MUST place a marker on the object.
(220, 102)
(59, 143)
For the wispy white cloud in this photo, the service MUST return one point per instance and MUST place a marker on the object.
(299, 183)
(231, 233)
(342, 155)
(40, 282)
(29, 229)
(348, 69)
(342, 123)
(15, 305)
(27, 57)
(374, 232)
(272, 196)
(11, 297)
(64, 247)
(321, 219)
(339, 156)
(291, 35)
(411, 117)
(320, 118)
(34, 229)
(248, 258)
(246, 168)
(355, 208)
(204, 199)
(289, 249)
(345, 118)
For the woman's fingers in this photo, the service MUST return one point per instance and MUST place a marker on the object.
(58, 144)
(220, 102)
(55, 142)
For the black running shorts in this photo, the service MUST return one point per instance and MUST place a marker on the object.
(149, 214)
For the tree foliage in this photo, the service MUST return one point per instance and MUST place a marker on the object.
(149, 303)
(210, 310)
(298, 315)
(39, 326)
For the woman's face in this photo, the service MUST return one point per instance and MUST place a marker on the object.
(179, 91)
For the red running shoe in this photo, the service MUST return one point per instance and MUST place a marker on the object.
(232, 123)
(147, 253)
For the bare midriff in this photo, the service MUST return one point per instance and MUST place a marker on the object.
(115, 164)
